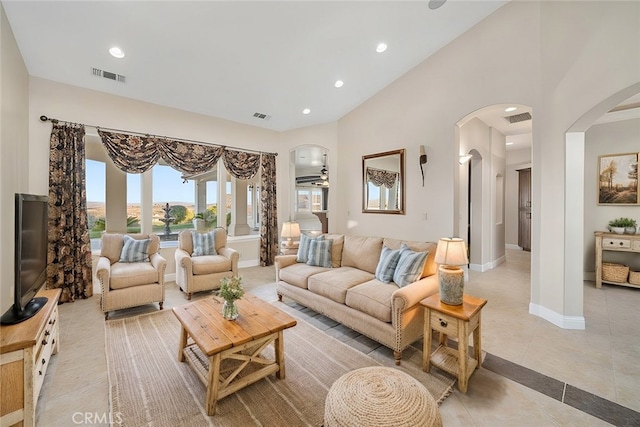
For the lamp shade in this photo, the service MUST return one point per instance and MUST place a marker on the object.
(290, 230)
(451, 251)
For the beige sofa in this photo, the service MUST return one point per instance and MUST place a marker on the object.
(349, 292)
(129, 284)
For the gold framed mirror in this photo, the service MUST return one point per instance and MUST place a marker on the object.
(383, 183)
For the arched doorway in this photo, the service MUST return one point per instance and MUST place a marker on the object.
(574, 238)
(487, 213)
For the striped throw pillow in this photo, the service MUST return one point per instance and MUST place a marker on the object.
(305, 245)
(409, 266)
(135, 250)
(320, 253)
(204, 243)
(387, 265)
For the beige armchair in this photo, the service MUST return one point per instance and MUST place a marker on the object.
(130, 284)
(203, 273)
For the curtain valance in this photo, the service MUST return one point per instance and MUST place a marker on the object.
(382, 177)
(138, 154)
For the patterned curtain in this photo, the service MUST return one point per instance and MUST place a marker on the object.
(240, 164)
(69, 250)
(188, 157)
(382, 177)
(130, 153)
(138, 154)
(269, 211)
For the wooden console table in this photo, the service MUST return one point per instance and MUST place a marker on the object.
(25, 350)
(617, 243)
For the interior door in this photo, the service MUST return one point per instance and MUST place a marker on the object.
(524, 209)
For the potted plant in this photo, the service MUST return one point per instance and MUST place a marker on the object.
(198, 222)
(623, 225)
(231, 290)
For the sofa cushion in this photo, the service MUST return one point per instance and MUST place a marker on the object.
(207, 264)
(336, 248)
(410, 266)
(304, 246)
(372, 298)
(361, 252)
(320, 253)
(298, 274)
(126, 275)
(134, 250)
(203, 243)
(430, 267)
(387, 265)
(334, 283)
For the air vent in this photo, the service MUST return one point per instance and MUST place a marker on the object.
(108, 75)
(518, 118)
(261, 116)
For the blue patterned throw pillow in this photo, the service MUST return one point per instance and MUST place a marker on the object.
(305, 245)
(320, 253)
(204, 243)
(387, 265)
(410, 266)
(135, 250)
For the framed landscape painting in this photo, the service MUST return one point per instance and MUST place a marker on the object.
(618, 179)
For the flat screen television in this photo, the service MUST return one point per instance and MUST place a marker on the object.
(31, 237)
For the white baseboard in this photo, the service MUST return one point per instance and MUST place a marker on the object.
(512, 246)
(487, 266)
(589, 275)
(564, 322)
(249, 263)
(171, 277)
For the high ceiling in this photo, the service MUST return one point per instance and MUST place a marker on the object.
(234, 59)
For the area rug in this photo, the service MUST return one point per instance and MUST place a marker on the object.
(148, 386)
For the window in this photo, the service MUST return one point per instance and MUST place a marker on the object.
(169, 188)
(308, 200)
(96, 200)
(134, 191)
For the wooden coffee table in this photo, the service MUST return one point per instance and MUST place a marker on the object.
(231, 349)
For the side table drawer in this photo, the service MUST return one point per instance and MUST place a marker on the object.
(441, 322)
(616, 243)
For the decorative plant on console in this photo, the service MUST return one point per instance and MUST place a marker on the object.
(231, 290)
(623, 225)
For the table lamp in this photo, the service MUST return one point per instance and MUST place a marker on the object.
(290, 230)
(450, 254)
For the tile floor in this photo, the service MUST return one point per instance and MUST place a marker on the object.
(534, 373)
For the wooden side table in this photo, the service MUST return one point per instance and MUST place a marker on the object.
(289, 250)
(458, 321)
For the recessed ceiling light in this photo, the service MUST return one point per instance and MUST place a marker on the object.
(116, 52)
(510, 109)
(381, 47)
(338, 83)
(509, 143)
(306, 111)
(434, 4)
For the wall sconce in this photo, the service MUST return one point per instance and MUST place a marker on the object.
(423, 160)
(464, 158)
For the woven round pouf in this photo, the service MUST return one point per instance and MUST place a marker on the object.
(379, 396)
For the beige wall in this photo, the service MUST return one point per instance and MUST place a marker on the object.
(14, 153)
(567, 58)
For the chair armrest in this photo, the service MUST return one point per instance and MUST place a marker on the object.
(103, 272)
(183, 259)
(231, 254)
(410, 295)
(160, 264)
